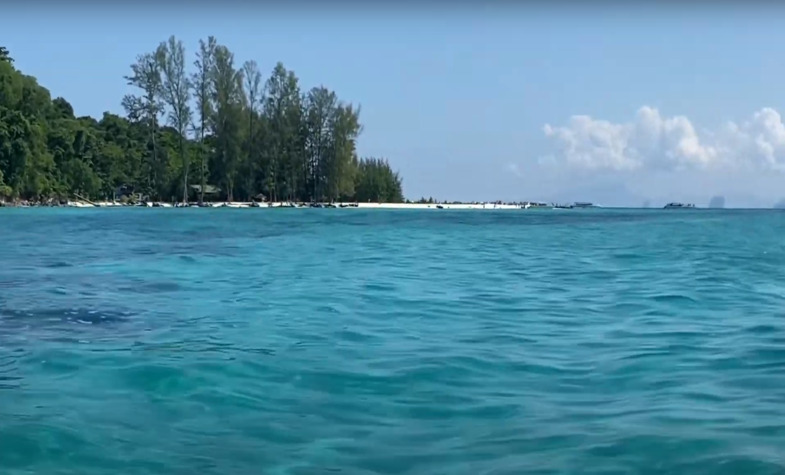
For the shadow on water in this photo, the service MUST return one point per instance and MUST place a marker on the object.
(64, 325)
(42, 318)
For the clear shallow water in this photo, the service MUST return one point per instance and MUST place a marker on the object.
(171, 341)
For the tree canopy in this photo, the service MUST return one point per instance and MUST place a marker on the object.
(218, 124)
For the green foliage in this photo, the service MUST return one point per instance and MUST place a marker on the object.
(246, 136)
(176, 92)
(4, 55)
(377, 182)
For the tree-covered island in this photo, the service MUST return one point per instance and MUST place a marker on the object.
(198, 128)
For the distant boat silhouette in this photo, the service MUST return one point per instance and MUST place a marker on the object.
(678, 205)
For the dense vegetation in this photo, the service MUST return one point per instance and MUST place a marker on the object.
(216, 125)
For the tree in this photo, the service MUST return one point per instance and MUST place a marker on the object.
(342, 157)
(176, 94)
(376, 181)
(294, 148)
(5, 190)
(252, 82)
(63, 108)
(320, 108)
(4, 55)
(146, 108)
(15, 145)
(284, 149)
(249, 137)
(201, 80)
(226, 118)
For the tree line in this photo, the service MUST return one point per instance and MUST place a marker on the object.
(207, 129)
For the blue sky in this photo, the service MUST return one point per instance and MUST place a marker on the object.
(480, 103)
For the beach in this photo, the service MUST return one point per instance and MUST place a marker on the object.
(283, 204)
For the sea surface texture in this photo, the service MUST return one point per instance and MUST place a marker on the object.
(350, 341)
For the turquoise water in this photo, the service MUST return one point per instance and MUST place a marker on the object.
(254, 341)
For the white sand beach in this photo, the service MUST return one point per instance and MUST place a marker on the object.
(400, 206)
(485, 206)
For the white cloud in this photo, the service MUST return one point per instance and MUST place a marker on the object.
(651, 141)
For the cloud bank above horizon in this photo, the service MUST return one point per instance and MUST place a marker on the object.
(652, 142)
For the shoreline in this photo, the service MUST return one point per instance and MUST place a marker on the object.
(383, 206)
(283, 204)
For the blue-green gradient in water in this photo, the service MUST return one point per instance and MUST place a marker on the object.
(259, 341)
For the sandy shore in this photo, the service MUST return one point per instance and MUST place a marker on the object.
(437, 206)
(410, 206)
(238, 204)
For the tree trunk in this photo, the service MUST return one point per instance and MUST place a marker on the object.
(155, 158)
(185, 169)
(204, 173)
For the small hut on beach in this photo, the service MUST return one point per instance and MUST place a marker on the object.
(211, 192)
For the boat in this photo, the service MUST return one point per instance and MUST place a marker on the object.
(534, 204)
(562, 206)
(80, 204)
(678, 205)
(583, 204)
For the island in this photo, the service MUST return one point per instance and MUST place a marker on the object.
(209, 135)
(211, 132)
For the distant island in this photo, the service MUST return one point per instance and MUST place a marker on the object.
(717, 202)
(199, 129)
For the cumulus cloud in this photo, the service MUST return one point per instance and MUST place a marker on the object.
(651, 141)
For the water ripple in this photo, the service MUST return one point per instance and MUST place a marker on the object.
(361, 342)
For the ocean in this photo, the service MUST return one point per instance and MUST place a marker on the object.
(351, 341)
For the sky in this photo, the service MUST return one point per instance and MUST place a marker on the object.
(597, 102)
